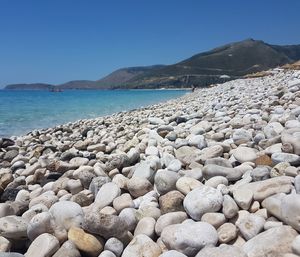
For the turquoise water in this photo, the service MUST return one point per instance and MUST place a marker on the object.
(23, 111)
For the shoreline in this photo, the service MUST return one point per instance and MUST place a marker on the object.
(219, 167)
(104, 112)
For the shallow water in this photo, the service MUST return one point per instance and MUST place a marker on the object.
(23, 111)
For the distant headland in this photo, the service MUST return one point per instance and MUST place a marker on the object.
(221, 64)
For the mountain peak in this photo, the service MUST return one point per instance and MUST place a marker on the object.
(233, 60)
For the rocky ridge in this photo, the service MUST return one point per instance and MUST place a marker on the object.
(213, 173)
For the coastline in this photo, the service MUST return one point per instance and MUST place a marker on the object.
(126, 112)
(22, 112)
(206, 168)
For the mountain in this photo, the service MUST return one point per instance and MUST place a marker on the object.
(33, 86)
(223, 63)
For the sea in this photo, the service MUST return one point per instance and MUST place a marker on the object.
(24, 111)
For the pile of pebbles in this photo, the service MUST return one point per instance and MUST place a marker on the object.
(213, 173)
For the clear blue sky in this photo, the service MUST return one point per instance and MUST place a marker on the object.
(54, 41)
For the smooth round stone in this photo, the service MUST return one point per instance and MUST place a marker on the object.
(105, 225)
(174, 165)
(141, 245)
(196, 235)
(210, 152)
(292, 136)
(48, 199)
(230, 208)
(215, 219)
(260, 173)
(187, 184)
(74, 186)
(106, 195)
(279, 169)
(107, 253)
(85, 242)
(79, 161)
(68, 249)
(108, 210)
(172, 253)
(215, 181)
(115, 246)
(297, 184)
(197, 141)
(122, 202)
(34, 210)
(250, 225)
(165, 181)
(146, 169)
(289, 207)
(222, 251)
(275, 240)
(97, 183)
(39, 224)
(243, 197)
(5, 245)
(227, 232)
(152, 150)
(212, 170)
(265, 188)
(244, 154)
(263, 160)
(44, 245)
(148, 210)
(169, 219)
(11, 254)
(293, 159)
(146, 226)
(128, 215)
(6, 210)
(13, 227)
(186, 154)
(138, 186)
(273, 129)
(241, 136)
(18, 165)
(219, 162)
(9, 194)
(202, 200)
(171, 202)
(296, 245)
(67, 214)
(272, 224)
(85, 174)
(156, 121)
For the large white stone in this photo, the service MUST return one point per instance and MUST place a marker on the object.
(274, 242)
(67, 214)
(106, 195)
(202, 200)
(45, 245)
(141, 245)
(189, 237)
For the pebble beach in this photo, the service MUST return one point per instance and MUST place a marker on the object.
(215, 172)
